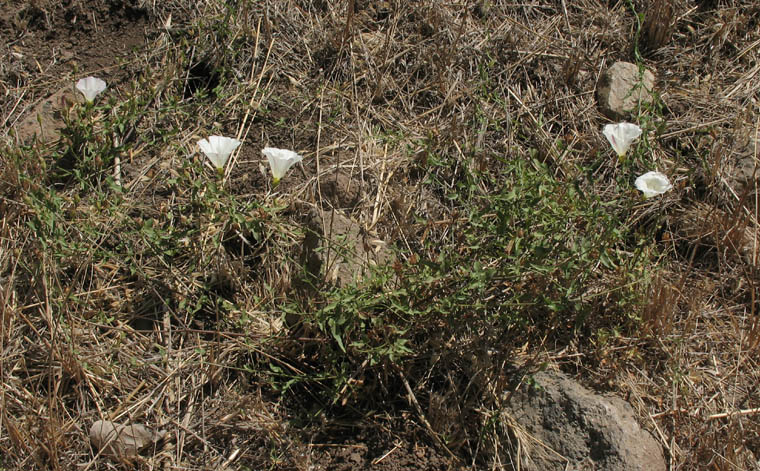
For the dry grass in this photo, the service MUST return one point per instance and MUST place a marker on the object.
(182, 327)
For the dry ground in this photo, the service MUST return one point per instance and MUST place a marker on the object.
(137, 288)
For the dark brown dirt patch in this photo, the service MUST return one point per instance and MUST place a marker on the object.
(87, 37)
(47, 45)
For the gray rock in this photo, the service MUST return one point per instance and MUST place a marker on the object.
(336, 250)
(564, 426)
(742, 158)
(622, 87)
(120, 440)
(45, 121)
(742, 174)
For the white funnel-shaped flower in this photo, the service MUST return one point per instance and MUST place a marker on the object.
(653, 184)
(218, 149)
(280, 161)
(621, 136)
(90, 87)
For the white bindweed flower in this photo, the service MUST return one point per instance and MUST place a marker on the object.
(90, 87)
(653, 184)
(280, 161)
(218, 149)
(621, 136)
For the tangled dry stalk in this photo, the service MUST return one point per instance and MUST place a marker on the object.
(163, 300)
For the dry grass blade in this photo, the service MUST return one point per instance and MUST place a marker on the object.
(454, 172)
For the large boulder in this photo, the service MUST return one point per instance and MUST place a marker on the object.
(741, 158)
(564, 426)
(45, 121)
(622, 88)
(336, 250)
(122, 440)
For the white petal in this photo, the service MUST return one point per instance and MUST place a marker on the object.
(280, 161)
(218, 149)
(653, 184)
(90, 87)
(621, 136)
(205, 146)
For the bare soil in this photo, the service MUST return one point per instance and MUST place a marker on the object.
(56, 38)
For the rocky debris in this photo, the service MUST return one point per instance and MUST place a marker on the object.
(742, 173)
(740, 161)
(122, 441)
(622, 87)
(45, 120)
(337, 250)
(708, 226)
(564, 426)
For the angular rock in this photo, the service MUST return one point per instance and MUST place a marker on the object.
(579, 429)
(122, 441)
(704, 225)
(622, 87)
(742, 160)
(45, 120)
(336, 249)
